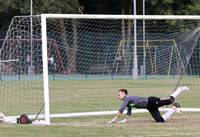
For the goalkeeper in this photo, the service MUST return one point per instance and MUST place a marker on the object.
(150, 103)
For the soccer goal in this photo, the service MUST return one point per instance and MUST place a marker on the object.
(67, 65)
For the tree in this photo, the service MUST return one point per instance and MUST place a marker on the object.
(10, 8)
(173, 7)
(153, 7)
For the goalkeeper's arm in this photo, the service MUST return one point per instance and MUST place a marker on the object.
(115, 119)
(125, 120)
(121, 110)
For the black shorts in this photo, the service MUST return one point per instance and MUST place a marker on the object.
(153, 103)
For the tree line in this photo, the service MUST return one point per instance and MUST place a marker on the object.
(10, 8)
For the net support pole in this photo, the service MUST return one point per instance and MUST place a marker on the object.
(144, 49)
(45, 69)
(31, 35)
(135, 63)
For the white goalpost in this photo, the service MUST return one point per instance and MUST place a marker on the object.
(80, 61)
(45, 69)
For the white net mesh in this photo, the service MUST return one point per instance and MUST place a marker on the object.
(90, 59)
(21, 68)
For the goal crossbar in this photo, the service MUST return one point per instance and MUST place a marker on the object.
(146, 17)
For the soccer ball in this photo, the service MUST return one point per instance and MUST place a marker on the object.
(176, 104)
(176, 107)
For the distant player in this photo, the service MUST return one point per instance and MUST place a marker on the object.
(150, 103)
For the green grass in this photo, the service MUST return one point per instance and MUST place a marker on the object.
(18, 97)
(140, 125)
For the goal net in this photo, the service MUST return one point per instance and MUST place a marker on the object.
(73, 65)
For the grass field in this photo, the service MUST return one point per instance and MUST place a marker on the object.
(67, 96)
(141, 125)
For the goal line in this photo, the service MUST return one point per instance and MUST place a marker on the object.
(12, 119)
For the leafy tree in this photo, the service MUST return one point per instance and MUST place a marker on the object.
(173, 7)
(10, 8)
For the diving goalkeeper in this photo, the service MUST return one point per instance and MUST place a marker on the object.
(150, 103)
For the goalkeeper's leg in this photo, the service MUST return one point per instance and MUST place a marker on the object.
(163, 102)
(175, 108)
(155, 102)
(179, 90)
(155, 113)
(152, 106)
